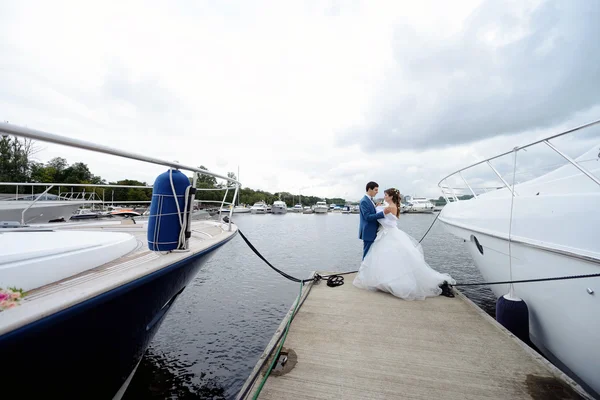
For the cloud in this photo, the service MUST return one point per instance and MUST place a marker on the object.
(511, 69)
(317, 97)
(145, 95)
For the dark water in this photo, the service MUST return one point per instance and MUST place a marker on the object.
(220, 325)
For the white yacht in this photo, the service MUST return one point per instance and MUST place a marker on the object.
(85, 299)
(321, 207)
(297, 208)
(86, 213)
(279, 207)
(236, 210)
(39, 208)
(259, 208)
(419, 205)
(540, 228)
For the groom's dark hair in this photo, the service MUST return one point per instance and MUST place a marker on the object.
(371, 185)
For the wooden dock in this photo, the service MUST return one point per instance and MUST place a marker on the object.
(347, 343)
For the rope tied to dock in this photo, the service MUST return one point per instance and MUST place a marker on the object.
(287, 276)
(332, 280)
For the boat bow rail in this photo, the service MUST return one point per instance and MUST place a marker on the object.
(473, 188)
(10, 129)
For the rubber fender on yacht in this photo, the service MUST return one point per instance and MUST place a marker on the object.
(164, 225)
(513, 314)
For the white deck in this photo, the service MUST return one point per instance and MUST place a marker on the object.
(32, 259)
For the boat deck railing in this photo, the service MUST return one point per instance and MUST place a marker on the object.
(453, 192)
(19, 131)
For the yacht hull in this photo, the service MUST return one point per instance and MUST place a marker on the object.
(562, 313)
(236, 210)
(40, 213)
(91, 349)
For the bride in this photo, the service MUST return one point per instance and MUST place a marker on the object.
(395, 262)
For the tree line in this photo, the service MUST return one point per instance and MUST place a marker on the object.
(17, 165)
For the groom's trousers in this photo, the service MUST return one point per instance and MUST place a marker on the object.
(366, 247)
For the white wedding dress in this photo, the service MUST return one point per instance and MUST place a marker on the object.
(395, 264)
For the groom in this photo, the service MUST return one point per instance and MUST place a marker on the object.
(367, 230)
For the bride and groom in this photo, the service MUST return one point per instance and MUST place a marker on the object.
(392, 260)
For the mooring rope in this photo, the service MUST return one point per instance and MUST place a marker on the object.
(334, 279)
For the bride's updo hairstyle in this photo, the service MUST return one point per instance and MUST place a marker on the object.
(395, 195)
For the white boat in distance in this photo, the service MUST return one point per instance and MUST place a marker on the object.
(86, 213)
(279, 207)
(419, 205)
(321, 207)
(543, 227)
(236, 210)
(38, 208)
(90, 296)
(259, 208)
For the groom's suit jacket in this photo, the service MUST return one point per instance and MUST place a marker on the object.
(367, 229)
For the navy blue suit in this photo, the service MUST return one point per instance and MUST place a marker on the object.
(367, 230)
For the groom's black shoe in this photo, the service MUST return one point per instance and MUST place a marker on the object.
(446, 289)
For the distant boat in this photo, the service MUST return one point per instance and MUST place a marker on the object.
(279, 207)
(48, 208)
(321, 207)
(236, 210)
(420, 205)
(259, 208)
(86, 214)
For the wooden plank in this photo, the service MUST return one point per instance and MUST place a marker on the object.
(358, 344)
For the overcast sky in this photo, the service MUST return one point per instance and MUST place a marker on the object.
(311, 96)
